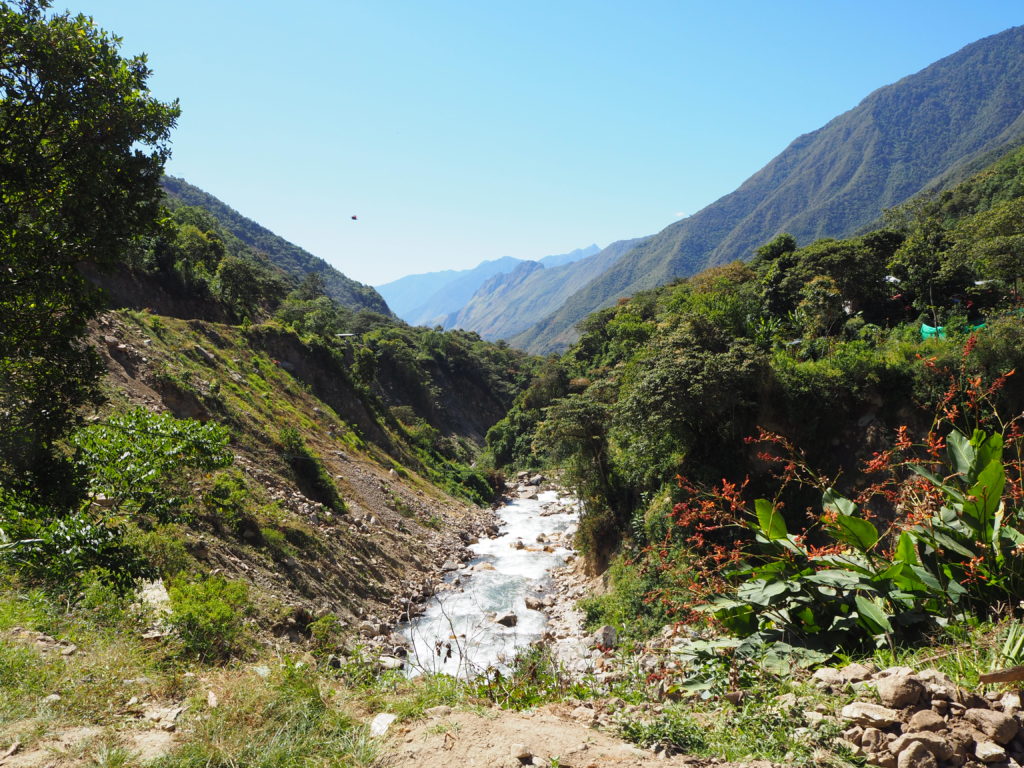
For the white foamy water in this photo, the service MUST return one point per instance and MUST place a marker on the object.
(456, 634)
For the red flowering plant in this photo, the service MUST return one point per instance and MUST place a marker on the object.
(938, 535)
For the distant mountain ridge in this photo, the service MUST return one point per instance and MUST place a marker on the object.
(295, 261)
(432, 298)
(508, 304)
(926, 131)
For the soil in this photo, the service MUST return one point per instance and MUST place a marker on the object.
(495, 738)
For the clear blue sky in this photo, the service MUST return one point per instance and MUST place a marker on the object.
(464, 131)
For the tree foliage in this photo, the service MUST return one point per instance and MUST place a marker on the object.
(82, 148)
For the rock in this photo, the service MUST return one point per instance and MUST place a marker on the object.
(1000, 727)
(866, 714)
(899, 691)
(442, 710)
(884, 759)
(605, 637)
(380, 724)
(450, 565)
(933, 742)
(828, 677)
(517, 544)
(390, 662)
(898, 671)
(989, 752)
(520, 752)
(584, 714)
(873, 740)
(534, 603)
(211, 700)
(916, 755)
(508, 619)
(53, 698)
(1010, 703)
(925, 720)
(855, 673)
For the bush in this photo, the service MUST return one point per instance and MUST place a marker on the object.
(209, 616)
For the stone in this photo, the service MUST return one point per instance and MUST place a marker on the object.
(989, 752)
(885, 759)
(916, 756)
(534, 603)
(935, 743)
(1000, 727)
(828, 677)
(899, 691)
(520, 752)
(925, 720)
(866, 714)
(898, 671)
(605, 637)
(508, 619)
(441, 710)
(390, 662)
(1010, 703)
(450, 565)
(855, 673)
(380, 724)
(873, 740)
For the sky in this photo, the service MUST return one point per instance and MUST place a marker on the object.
(461, 131)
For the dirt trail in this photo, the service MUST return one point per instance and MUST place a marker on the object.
(548, 736)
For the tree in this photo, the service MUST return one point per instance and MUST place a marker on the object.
(82, 149)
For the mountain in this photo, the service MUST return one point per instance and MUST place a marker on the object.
(567, 258)
(508, 304)
(432, 298)
(926, 131)
(425, 299)
(295, 261)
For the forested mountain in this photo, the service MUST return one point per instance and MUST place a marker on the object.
(928, 130)
(290, 258)
(434, 298)
(509, 304)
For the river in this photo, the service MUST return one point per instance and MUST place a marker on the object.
(458, 634)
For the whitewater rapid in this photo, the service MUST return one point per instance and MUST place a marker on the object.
(457, 634)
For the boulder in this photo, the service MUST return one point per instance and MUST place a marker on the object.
(869, 715)
(925, 720)
(534, 603)
(380, 724)
(855, 673)
(507, 619)
(989, 752)
(916, 756)
(935, 743)
(999, 727)
(899, 691)
(828, 677)
(605, 637)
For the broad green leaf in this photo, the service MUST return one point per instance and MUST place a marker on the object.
(835, 578)
(770, 519)
(987, 448)
(856, 532)
(961, 452)
(833, 502)
(872, 617)
(906, 551)
(988, 492)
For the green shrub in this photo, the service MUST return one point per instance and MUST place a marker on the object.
(209, 615)
(312, 477)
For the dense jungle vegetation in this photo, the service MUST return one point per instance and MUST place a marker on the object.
(878, 368)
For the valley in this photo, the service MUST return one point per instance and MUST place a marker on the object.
(747, 492)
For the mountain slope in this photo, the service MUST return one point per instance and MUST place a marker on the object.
(295, 261)
(434, 298)
(426, 298)
(508, 304)
(925, 131)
